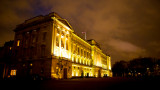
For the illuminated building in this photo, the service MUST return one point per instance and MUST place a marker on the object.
(48, 46)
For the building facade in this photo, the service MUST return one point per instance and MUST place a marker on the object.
(48, 46)
(5, 59)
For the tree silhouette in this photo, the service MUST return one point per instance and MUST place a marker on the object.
(139, 66)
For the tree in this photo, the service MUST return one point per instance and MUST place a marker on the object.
(120, 68)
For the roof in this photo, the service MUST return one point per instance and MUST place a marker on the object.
(93, 42)
(41, 19)
(64, 21)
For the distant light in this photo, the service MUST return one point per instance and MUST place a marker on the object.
(62, 36)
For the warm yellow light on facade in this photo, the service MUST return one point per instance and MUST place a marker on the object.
(76, 60)
(67, 28)
(72, 73)
(109, 63)
(72, 59)
(58, 27)
(76, 73)
(67, 32)
(63, 29)
(79, 54)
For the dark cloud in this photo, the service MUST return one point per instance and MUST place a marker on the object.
(125, 29)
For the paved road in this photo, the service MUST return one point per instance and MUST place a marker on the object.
(115, 83)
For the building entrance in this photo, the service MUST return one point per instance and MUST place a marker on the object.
(82, 74)
(65, 73)
(99, 73)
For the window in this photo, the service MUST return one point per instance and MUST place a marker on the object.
(67, 45)
(74, 49)
(62, 40)
(33, 39)
(78, 51)
(13, 72)
(18, 42)
(57, 41)
(44, 36)
(43, 50)
(74, 59)
(62, 43)
(81, 52)
(33, 51)
(87, 54)
(84, 53)
(62, 35)
(26, 40)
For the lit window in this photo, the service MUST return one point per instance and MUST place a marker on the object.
(30, 64)
(10, 48)
(13, 72)
(18, 42)
(33, 39)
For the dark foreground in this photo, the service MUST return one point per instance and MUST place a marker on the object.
(114, 83)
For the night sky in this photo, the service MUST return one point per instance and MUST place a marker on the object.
(125, 29)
